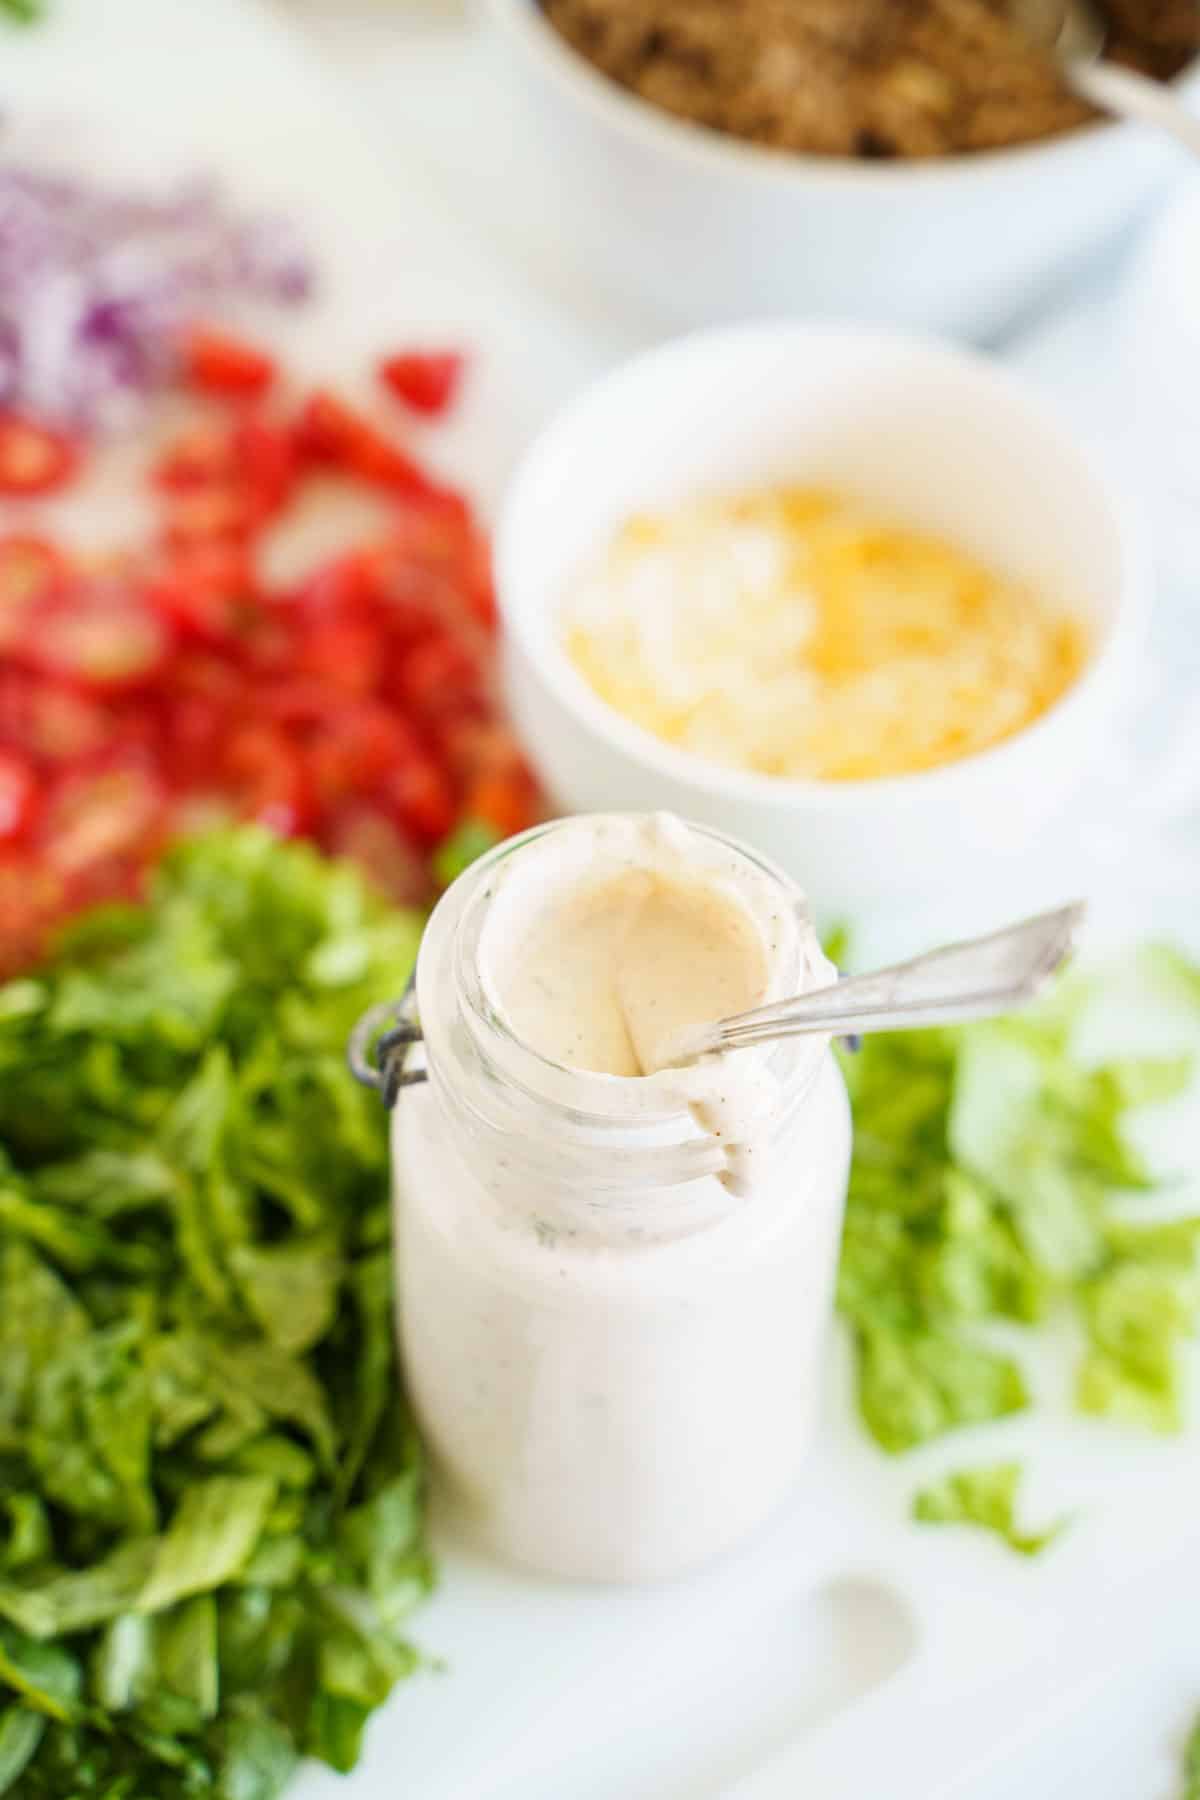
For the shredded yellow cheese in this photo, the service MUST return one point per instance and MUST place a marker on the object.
(793, 634)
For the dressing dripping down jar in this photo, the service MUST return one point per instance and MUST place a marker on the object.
(613, 1291)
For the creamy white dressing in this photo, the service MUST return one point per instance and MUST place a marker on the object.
(606, 938)
(602, 977)
(616, 1275)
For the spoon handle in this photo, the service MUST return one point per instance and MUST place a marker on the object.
(1133, 96)
(975, 980)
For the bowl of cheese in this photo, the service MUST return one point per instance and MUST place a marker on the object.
(853, 596)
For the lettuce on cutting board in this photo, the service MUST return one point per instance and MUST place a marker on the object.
(995, 1179)
(986, 1498)
(211, 1500)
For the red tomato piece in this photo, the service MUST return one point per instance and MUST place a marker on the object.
(426, 380)
(387, 854)
(330, 432)
(51, 720)
(419, 797)
(31, 897)
(266, 460)
(198, 812)
(300, 706)
(34, 459)
(197, 458)
(469, 745)
(478, 584)
(342, 585)
(505, 799)
(437, 676)
(101, 813)
(101, 647)
(20, 791)
(219, 512)
(205, 589)
(356, 750)
(206, 698)
(429, 532)
(194, 731)
(32, 572)
(209, 676)
(216, 363)
(268, 780)
(345, 653)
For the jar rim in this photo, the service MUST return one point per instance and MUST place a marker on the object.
(589, 1132)
(587, 1094)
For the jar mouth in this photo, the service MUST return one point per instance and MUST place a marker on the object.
(592, 1096)
(593, 1140)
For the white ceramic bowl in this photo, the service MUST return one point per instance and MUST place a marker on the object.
(936, 437)
(703, 228)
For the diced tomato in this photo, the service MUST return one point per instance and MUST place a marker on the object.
(32, 572)
(20, 791)
(356, 750)
(104, 647)
(266, 460)
(268, 780)
(51, 720)
(478, 585)
(193, 737)
(436, 675)
(208, 675)
(219, 512)
(199, 457)
(426, 380)
(422, 578)
(342, 585)
(31, 897)
(419, 797)
(330, 432)
(389, 857)
(429, 531)
(33, 458)
(116, 878)
(468, 744)
(215, 363)
(504, 799)
(100, 813)
(301, 706)
(198, 812)
(180, 687)
(205, 589)
(346, 653)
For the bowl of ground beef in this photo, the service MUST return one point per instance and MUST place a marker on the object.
(911, 161)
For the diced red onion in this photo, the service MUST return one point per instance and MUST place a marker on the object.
(96, 284)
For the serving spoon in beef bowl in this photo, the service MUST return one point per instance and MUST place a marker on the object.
(1074, 31)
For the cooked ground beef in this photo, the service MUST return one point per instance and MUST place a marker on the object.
(867, 78)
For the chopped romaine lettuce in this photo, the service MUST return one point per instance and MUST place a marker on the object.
(986, 1162)
(211, 1502)
(986, 1498)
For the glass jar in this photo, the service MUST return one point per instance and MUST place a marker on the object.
(612, 1347)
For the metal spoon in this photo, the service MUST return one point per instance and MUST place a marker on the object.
(976, 980)
(1076, 33)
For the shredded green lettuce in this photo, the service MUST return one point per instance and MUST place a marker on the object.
(985, 1498)
(211, 1498)
(987, 1163)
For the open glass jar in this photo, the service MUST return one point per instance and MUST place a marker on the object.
(612, 1318)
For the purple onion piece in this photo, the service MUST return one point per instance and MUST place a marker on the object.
(96, 285)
